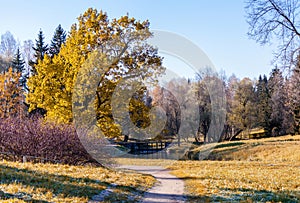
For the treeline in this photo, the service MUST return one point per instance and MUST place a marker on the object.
(43, 79)
(270, 103)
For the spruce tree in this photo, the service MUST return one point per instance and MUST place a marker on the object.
(18, 62)
(262, 103)
(280, 117)
(40, 47)
(40, 50)
(294, 96)
(18, 66)
(57, 41)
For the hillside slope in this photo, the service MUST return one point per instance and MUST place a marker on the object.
(275, 149)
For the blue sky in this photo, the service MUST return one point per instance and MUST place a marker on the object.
(218, 27)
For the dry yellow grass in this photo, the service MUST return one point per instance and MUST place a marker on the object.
(144, 162)
(278, 149)
(236, 181)
(264, 170)
(23, 182)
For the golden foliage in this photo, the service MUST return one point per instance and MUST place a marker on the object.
(10, 94)
(120, 43)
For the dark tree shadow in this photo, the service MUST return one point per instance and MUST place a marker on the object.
(248, 195)
(57, 184)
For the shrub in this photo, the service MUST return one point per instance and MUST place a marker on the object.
(37, 139)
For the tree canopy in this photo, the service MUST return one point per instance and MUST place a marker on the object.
(95, 36)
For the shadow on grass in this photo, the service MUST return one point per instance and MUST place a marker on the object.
(230, 144)
(23, 196)
(229, 196)
(57, 184)
(210, 154)
(161, 197)
(248, 195)
(284, 140)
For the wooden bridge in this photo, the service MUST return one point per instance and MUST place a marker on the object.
(145, 147)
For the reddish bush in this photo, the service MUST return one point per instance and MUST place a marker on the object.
(46, 141)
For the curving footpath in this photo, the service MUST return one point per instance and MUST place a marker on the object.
(168, 189)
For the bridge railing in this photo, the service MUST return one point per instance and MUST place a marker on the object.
(145, 147)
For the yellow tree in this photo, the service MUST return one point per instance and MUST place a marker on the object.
(242, 115)
(47, 89)
(10, 94)
(119, 41)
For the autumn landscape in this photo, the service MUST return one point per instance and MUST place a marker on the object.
(93, 113)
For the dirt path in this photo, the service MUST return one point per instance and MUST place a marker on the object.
(169, 188)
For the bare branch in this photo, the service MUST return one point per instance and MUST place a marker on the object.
(270, 19)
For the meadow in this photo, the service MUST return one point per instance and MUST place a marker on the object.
(239, 181)
(261, 170)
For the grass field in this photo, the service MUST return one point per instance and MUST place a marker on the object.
(237, 181)
(27, 182)
(263, 170)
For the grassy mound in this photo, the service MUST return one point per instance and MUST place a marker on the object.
(275, 149)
